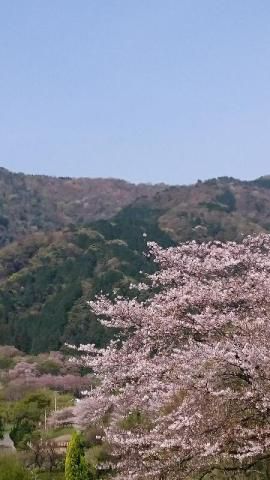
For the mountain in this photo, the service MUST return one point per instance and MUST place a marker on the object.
(50, 269)
(46, 280)
(222, 208)
(32, 203)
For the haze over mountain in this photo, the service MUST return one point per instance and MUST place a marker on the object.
(64, 240)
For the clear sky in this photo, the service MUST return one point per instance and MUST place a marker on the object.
(146, 90)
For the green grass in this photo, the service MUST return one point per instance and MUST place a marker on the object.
(58, 432)
(50, 476)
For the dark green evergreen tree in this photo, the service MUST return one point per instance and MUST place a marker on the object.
(75, 464)
(2, 429)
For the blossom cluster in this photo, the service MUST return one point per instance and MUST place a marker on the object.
(188, 384)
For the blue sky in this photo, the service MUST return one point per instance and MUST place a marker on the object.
(146, 90)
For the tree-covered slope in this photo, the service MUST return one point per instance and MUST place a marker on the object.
(31, 203)
(223, 209)
(46, 280)
(47, 276)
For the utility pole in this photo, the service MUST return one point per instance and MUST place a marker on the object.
(45, 419)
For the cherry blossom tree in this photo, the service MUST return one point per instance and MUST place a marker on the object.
(23, 370)
(188, 384)
(62, 418)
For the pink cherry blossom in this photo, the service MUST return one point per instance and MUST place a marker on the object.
(188, 384)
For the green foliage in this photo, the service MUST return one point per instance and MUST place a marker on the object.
(131, 224)
(27, 414)
(48, 276)
(223, 202)
(95, 456)
(58, 432)
(135, 420)
(30, 203)
(12, 469)
(6, 363)
(21, 432)
(51, 476)
(212, 206)
(2, 427)
(49, 367)
(44, 304)
(228, 199)
(263, 181)
(75, 465)
(4, 221)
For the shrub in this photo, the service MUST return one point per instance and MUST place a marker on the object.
(12, 469)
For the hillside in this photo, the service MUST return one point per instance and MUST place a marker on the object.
(223, 209)
(47, 276)
(46, 280)
(31, 203)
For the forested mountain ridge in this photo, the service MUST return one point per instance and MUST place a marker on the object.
(31, 203)
(222, 208)
(47, 279)
(36, 203)
(48, 272)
